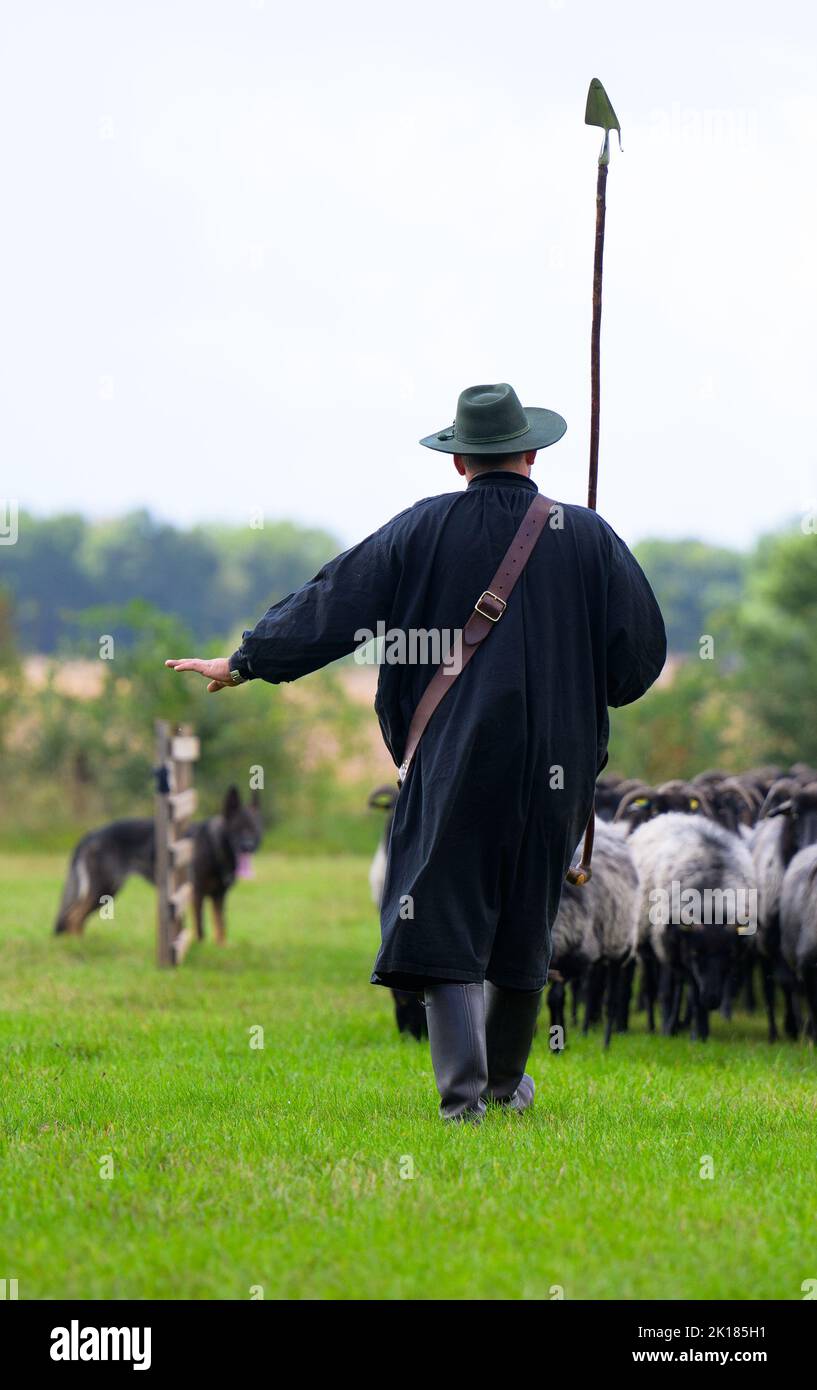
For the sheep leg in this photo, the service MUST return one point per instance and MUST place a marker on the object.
(575, 995)
(671, 995)
(731, 989)
(767, 978)
(699, 1027)
(614, 978)
(791, 1020)
(625, 995)
(594, 994)
(810, 988)
(687, 1015)
(693, 1009)
(749, 988)
(556, 1005)
(649, 985)
(588, 1000)
(665, 985)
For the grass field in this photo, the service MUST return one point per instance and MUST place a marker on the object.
(290, 1166)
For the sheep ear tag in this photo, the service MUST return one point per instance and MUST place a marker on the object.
(382, 799)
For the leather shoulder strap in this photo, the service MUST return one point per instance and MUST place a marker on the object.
(487, 611)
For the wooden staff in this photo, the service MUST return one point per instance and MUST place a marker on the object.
(599, 112)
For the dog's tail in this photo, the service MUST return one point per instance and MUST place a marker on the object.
(75, 895)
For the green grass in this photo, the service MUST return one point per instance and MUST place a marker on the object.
(236, 1167)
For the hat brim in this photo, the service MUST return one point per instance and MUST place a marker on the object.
(546, 427)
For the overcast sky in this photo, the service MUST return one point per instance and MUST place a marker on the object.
(252, 251)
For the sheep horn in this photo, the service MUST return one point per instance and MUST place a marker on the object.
(783, 784)
(732, 784)
(689, 790)
(630, 797)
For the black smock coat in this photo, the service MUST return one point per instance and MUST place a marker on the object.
(502, 783)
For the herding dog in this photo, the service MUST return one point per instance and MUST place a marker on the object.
(104, 858)
(409, 1010)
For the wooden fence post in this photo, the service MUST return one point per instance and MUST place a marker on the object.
(175, 804)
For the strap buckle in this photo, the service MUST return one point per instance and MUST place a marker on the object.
(492, 617)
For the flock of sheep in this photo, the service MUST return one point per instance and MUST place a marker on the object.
(707, 885)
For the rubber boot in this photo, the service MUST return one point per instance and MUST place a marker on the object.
(455, 1015)
(510, 1023)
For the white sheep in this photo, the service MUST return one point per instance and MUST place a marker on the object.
(787, 824)
(594, 933)
(692, 872)
(798, 925)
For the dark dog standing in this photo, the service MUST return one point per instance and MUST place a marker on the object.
(105, 858)
(409, 1011)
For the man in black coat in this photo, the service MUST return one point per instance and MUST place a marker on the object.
(501, 786)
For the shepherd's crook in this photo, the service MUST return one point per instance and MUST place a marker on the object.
(598, 112)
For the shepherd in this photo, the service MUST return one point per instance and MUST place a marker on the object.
(498, 752)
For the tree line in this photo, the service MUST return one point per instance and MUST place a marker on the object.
(741, 691)
(214, 579)
(218, 579)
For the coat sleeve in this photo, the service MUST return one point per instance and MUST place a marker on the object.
(636, 638)
(324, 619)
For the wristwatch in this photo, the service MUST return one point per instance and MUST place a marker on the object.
(239, 667)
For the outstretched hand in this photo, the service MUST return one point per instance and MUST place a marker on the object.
(215, 672)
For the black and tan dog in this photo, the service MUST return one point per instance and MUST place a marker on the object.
(409, 1010)
(105, 858)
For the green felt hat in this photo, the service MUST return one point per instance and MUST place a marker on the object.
(490, 420)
